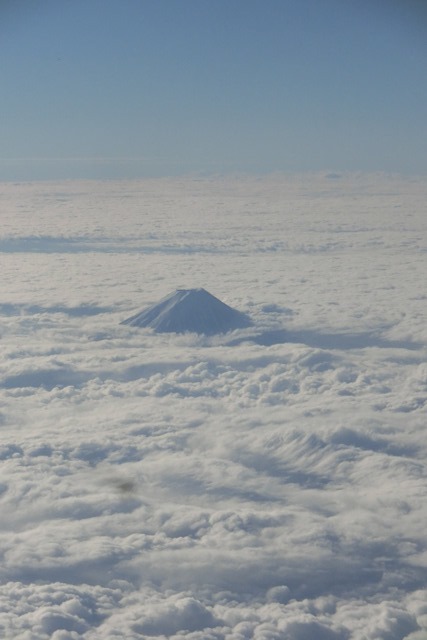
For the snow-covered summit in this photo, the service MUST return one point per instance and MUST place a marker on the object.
(194, 310)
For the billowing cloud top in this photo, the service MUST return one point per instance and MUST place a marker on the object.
(266, 483)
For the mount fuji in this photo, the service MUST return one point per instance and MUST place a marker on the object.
(190, 310)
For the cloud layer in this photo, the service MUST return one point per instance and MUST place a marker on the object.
(266, 483)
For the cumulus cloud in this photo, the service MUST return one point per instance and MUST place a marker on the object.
(265, 483)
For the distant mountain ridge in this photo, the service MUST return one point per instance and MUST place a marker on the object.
(190, 310)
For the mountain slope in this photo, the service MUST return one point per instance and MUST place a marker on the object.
(190, 310)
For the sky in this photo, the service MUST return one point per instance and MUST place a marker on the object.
(146, 88)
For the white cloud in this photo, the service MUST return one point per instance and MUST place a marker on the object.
(268, 483)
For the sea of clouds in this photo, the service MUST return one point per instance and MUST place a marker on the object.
(270, 483)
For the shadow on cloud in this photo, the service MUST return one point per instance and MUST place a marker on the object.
(83, 310)
(319, 340)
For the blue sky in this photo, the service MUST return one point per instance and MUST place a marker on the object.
(129, 88)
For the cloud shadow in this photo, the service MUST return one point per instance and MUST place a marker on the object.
(319, 340)
(82, 310)
(46, 378)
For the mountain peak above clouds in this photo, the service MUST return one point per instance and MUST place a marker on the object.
(190, 310)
